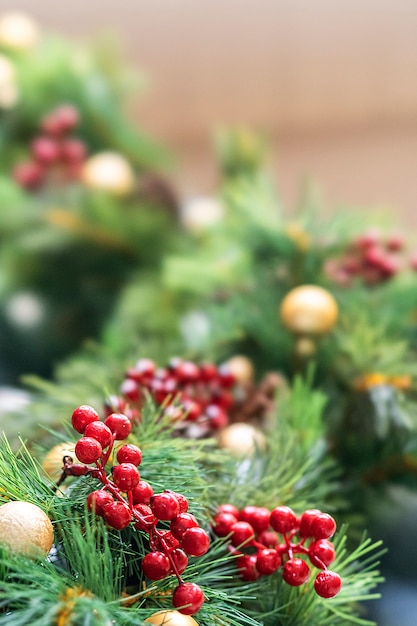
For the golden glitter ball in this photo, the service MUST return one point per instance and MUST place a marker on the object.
(25, 529)
(242, 368)
(171, 618)
(108, 171)
(53, 461)
(242, 439)
(309, 310)
(18, 31)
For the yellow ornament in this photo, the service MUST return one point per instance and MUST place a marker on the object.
(9, 93)
(18, 31)
(242, 439)
(171, 618)
(109, 171)
(25, 529)
(309, 310)
(242, 368)
(53, 461)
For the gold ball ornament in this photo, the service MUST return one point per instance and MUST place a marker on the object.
(170, 618)
(18, 31)
(241, 439)
(108, 171)
(242, 368)
(53, 460)
(309, 310)
(25, 529)
(9, 93)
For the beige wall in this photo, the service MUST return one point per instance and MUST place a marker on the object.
(333, 82)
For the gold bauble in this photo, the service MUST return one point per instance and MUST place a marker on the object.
(9, 93)
(18, 31)
(25, 529)
(242, 368)
(108, 171)
(309, 310)
(241, 439)
(171, 618)
(53, 461)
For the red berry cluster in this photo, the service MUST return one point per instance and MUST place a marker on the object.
(196, 397)
(370, 258)
(263, 541)
(54, 152)
(126, 499)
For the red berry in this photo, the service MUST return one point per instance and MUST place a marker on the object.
(295, 572)
(225, 376)
(242, 533)
(321, 553)
(217, 418)
(181, 523)
(186, 372)
(114, 404)
(119, 424)
(29, 174)
(195, 541)
(45, 150)
(327, 584)
(88, 450)
(61, 120)
(256, 516)
(208, 372)
(268, 538)
(143, 516)
(222, 524)
(129, 453)
(180, 560)
(156, 565)
(306, 521)
(268, 561)
(144, 370)
(117, 515)
(131, 390)
(188, 598)
(165, 506)
(246, 566)
(142, 493)
(73, 150)
(283, 519)
(126, 476)
(191, 409)
(99, 430)
(182, 500)
(323, 526)
(228, 508)
(82, 416)
(98, 500)
(167, 540)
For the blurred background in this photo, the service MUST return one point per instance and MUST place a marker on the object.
(332, 84)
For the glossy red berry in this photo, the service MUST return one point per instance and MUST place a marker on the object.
(181, 523)
(268, 561)
(143, 516)
(142, 493)
(327, 584)
(242, 534)
(222, 524)
(217, 418)
(73, 150)
(156, 565)
(283, 519)
(208, 372)
(29, 174)
(82, 416)
(323, 526)
(119, 424)
(268, 538)
(228, 508)
(98, 500)
(321, 553)
(126, 476)
(88, 450)
(117, 515)
(188, 598)
(295, 572)
(256, 516)
(186, 372)
(246, 567)
(129, 453)
(306, 521)
(225, 376)
(180, 560)
(61, 120)
(131, 390)
(182, 500)
(195, 541)
(165, 506)
(99, 430)
(45, 150)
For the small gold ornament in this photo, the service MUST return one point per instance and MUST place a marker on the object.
(108, 171)
(9, 93)
(53, 461)
(171, 618)
(25, 529)
(305, 347)
(242, 439)
(18, 31)
(309, 310)
(242, 368)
